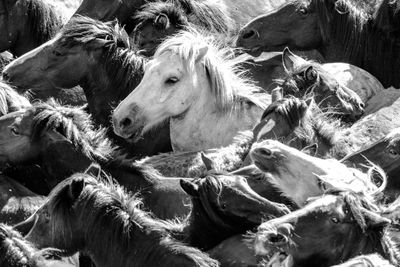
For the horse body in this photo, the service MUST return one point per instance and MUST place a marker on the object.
(207, 99)
(338, 29)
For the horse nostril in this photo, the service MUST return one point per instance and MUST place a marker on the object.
(265, 152)
(362, 106)
(250, 34)
(125, 123)
(276, 238)
(6, 77)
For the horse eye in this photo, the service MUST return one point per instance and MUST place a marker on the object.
(335, 220)
(172, 80)
(57, 53)
(303, 11)
(223, 206)
(393, 152)
(14, 131)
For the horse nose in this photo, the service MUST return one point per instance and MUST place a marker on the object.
(250, 34)
(263, 152)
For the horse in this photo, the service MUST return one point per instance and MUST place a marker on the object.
(16, 251)
(96, 56)
(300, 176)
(5, 58)
(10, 100)
(220, 101)
(17, 202)
(348, 224)
(27, 24)
(237, 11)
(63, 140)
(328, 84)
(386, 154)
(342, 31)
(386, 18)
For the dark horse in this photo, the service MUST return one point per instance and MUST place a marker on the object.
(329, 230)
(26, 24)
(15, 251)
(342, 30)
(99, 218)
(96, 56)
(62, 140)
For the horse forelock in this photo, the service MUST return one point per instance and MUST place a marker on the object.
(75, 125)
(150, 11)
(10, 100)
(82, 30)
(228, 82)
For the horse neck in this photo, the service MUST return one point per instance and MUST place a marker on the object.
(203, 126)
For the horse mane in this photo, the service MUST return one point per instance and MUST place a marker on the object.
(386, 17)
(10, 100)
(228, 82)
(15, 251)
(350, 23)
(43, 21)
(114, 206)
(74, 124)
(122, 65)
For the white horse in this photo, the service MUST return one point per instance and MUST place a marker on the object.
(195, 83)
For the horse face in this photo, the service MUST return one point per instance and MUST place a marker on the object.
(15, 140)
(149, 34)
(237, 200)
(318, 231)
(295, 25)
(167, 90)
(49, 67)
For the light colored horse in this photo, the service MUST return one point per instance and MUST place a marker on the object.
(196, 83)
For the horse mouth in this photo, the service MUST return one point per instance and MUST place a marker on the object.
(135, 136)
(255, 51)
(278, 259)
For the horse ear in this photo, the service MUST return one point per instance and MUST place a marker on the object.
(290, 60)
(189, 187)
(94, 169)
(374, 220)
(311, 149)
(202, 52)
(277, 94)
(310, 74)
(209, 163)
(76, 188)
(53, 136)
(162, 19)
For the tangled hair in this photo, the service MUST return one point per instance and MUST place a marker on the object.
(74, 124)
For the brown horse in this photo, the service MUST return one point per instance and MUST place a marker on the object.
(16, 251)
(62, 141)
(17, 202)
(96, 56)
(24, 25)
(329, 230)
(99, 218)
(342, 30)
(238, 11)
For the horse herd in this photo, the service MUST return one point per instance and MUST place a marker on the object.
(200, 133)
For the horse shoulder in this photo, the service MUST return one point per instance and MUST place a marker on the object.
(356, 79)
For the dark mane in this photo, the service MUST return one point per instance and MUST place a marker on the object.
(122, 65)
(349, 22)
(387, 17)
(113, 206)
(43, 21)
(150, 11)
(73, 123)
